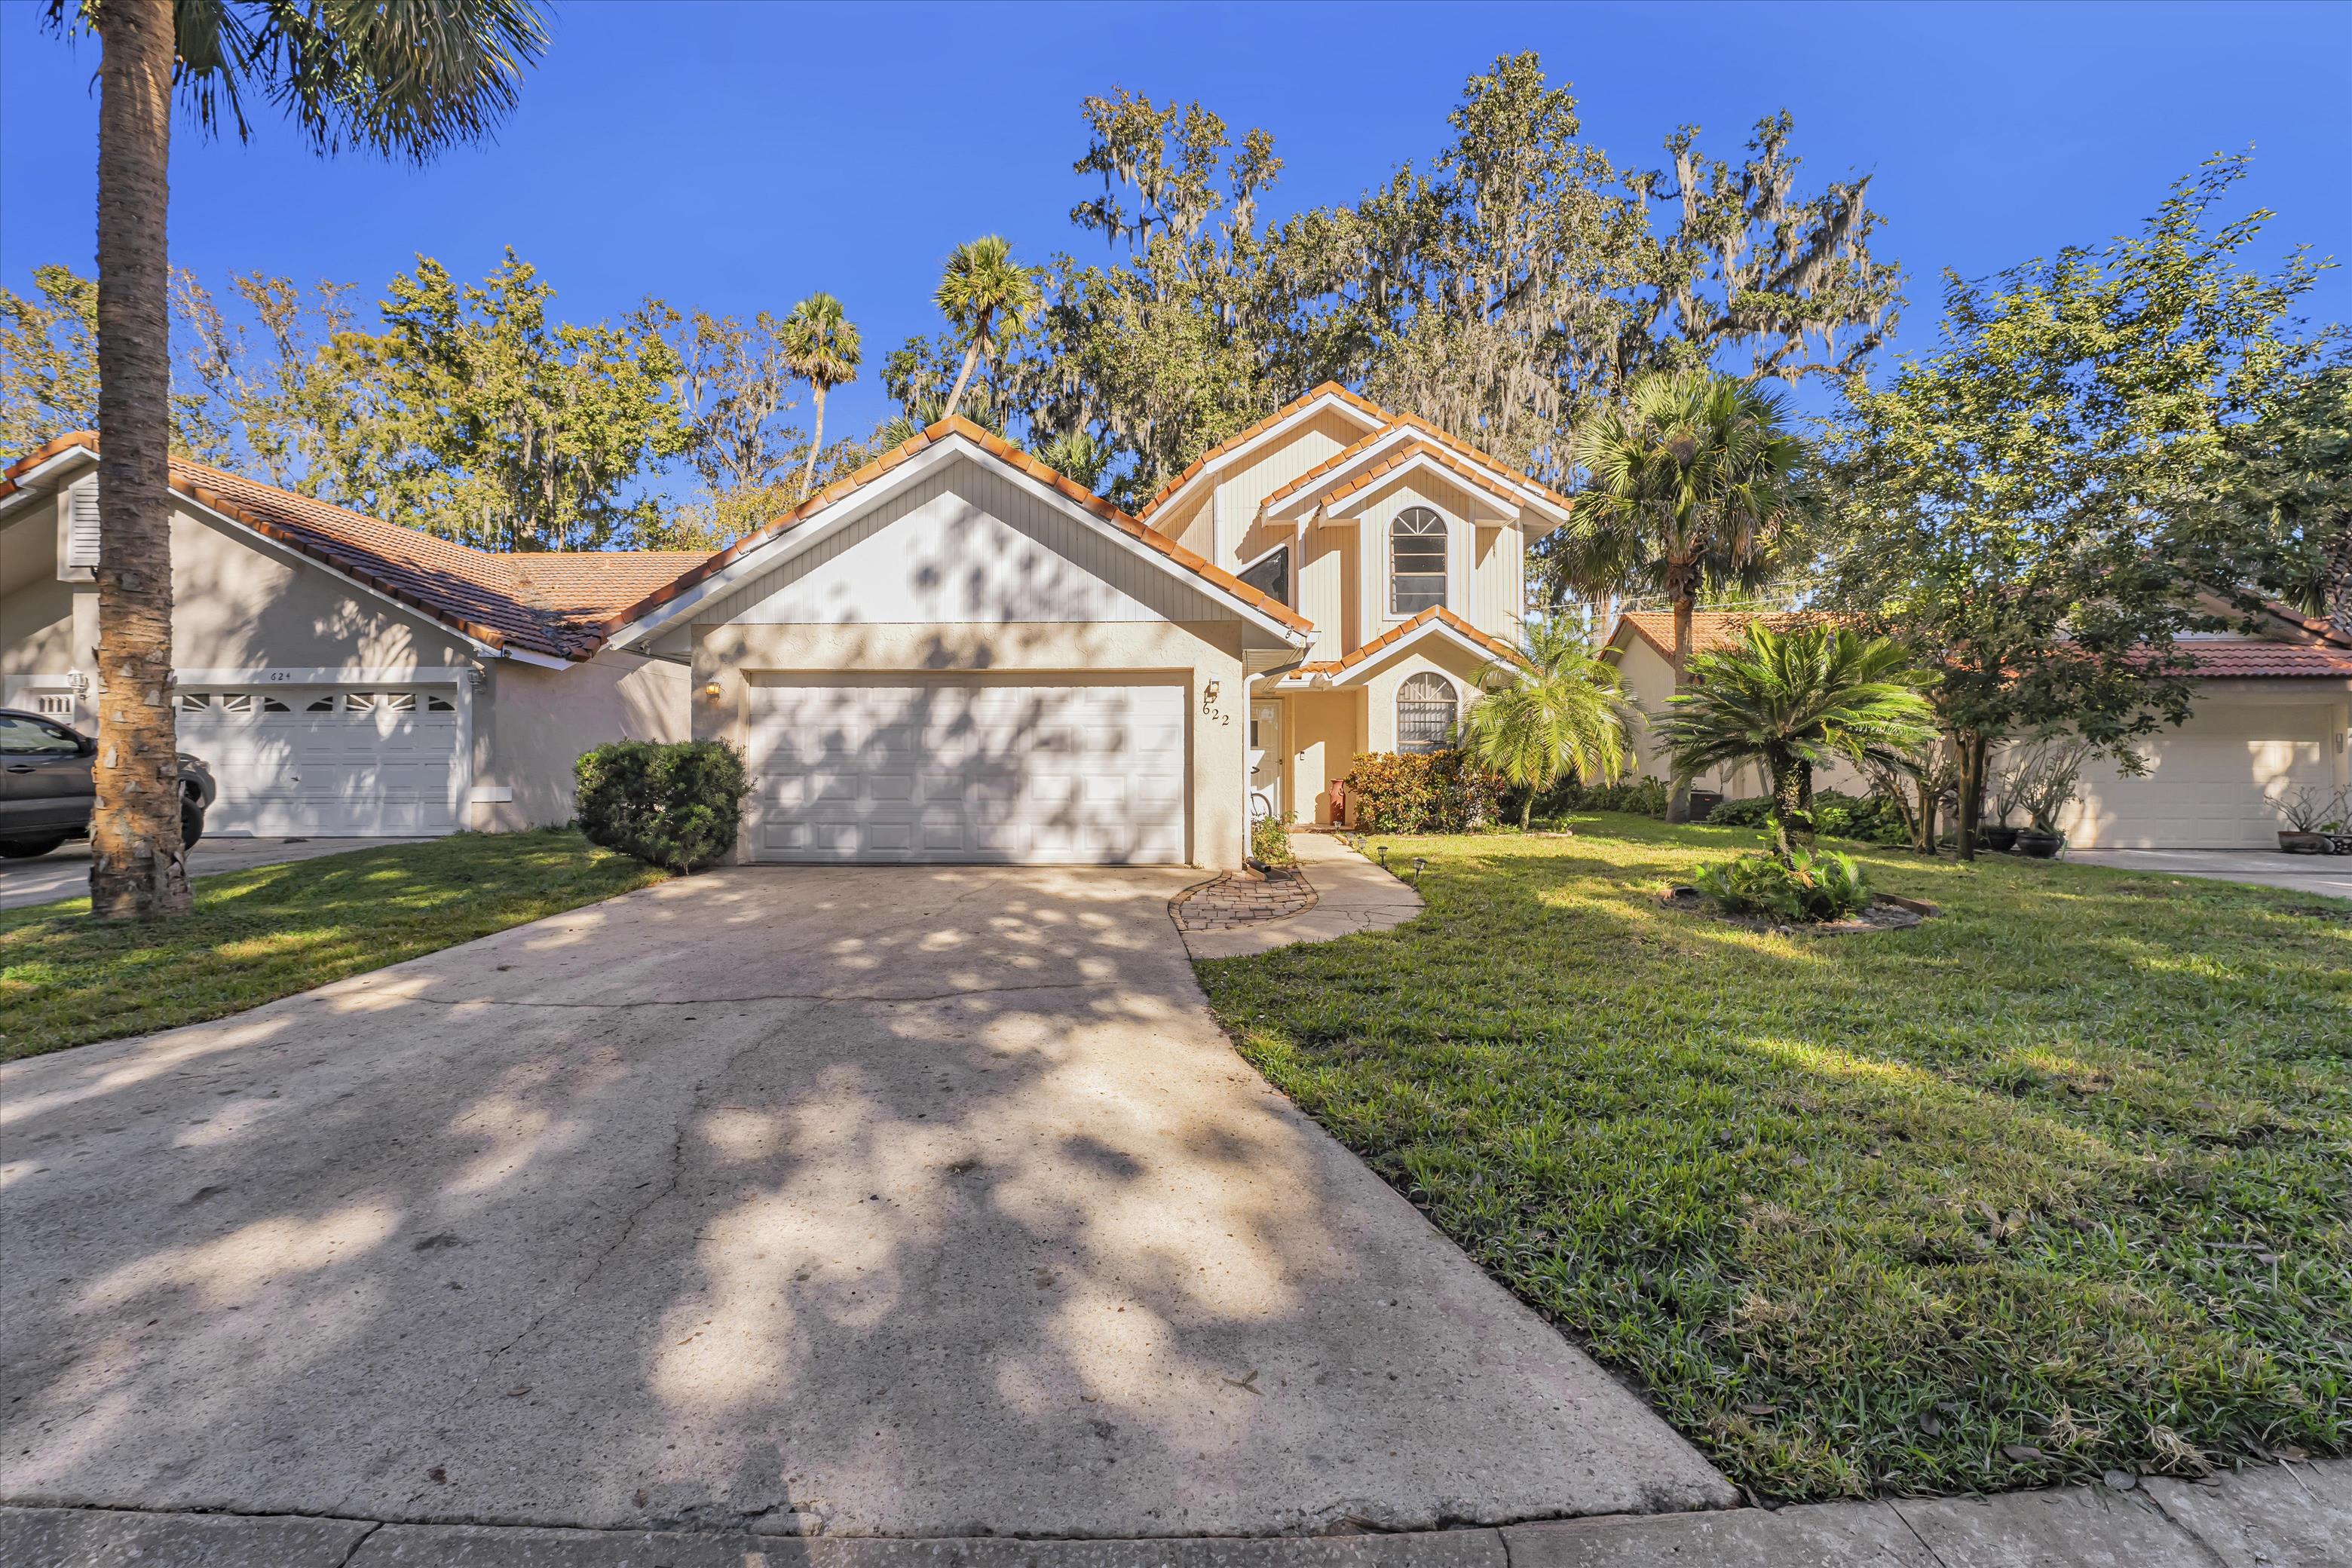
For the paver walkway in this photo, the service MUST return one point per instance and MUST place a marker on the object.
(1351, 895)
(2271, 1517)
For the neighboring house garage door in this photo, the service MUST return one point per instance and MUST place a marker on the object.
(1026, 773)
(326, 760)
(2210, 784)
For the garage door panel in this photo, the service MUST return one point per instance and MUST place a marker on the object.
(329, 761)
(968, 770)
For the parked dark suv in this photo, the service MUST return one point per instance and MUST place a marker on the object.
(44, 790)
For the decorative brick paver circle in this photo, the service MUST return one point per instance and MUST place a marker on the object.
(1241, 899)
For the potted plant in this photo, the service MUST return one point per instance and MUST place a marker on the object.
(2050, 779)
(2312, 820)
(1995, 832)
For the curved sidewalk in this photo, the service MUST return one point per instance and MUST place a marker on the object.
(1352, 895)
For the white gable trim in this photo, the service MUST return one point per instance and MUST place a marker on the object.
(1355, 504)
(766, 557)
(1307, 499)
(1326, 404)
(1356, 674)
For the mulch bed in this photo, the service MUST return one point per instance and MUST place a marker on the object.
(1887, 912)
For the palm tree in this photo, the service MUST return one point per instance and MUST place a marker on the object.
(1076, 455)
(1693, 482)
(987, 298)
(406, 80)
(1561, 711)
(821, 347)
(1796, 701)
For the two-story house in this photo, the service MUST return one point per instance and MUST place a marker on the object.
(956, 654)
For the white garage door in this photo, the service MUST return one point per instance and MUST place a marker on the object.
(966, 770)
(2210, 784)
(326, 760)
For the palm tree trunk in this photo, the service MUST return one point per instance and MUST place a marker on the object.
(1678, 796)
(816, 442)
(138, 865)
(971, 358)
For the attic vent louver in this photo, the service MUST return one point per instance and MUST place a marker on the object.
(82, 525)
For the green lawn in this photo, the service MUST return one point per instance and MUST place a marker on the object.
(2059, 1181)
(67, 980)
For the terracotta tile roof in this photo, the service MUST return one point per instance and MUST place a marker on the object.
(546, 603)
(1711, 630)
(996, 446)
(1251, 432)
(1400, 632)
(1463, 447)
(2220, 657)
(2237, 658)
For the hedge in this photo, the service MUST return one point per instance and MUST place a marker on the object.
(1428, 792)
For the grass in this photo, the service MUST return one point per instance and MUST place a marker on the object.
(258, 934)
(2058, 1182)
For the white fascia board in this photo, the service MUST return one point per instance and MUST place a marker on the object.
(775, 551)
(72, 456)
(1406, 645)
(1209, 471)
(481, 648)
(1507, 506)
(532, 657)
(1305, 501)
(793, 540)
(326, 675)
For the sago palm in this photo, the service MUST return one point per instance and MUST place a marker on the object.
(407, 80)
(1562, 711)
(1797, 700)
(1694, 482)
(988, 298)
(820, 346)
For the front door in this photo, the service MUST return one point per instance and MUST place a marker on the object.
(1265, 761)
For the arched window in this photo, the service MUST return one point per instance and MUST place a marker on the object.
(1416, 560)
(1425, 713)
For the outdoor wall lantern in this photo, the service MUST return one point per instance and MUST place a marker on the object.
(1209, 693)
(710, 690)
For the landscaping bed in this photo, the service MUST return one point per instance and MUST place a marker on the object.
(272, 930)
(2058, 1182)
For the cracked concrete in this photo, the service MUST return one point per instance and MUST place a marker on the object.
(811, 1202)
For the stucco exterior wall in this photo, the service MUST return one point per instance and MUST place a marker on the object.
(36, 628)
(729, 654)
(531, 724)
(1324, 731)
(1330, 567)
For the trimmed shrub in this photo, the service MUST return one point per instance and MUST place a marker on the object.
(1428, 792)
(1270, 843)
(1824, 887)
(674, 805)
(1639, 797)
(1869, 818)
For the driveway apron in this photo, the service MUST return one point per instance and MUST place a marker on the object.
(894, 1201)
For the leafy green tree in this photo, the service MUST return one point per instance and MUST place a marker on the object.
(406, 79)
(733, 389)
(988, 298)
(276, 408)
(820, 346)
(48, 360)
(2278, 509)
(1694, 482)
(1561, 711)
(1796, 701)
(2024, 502)
(480, 419)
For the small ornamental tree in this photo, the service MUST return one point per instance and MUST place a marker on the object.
(1556, 712)
(1793, 701)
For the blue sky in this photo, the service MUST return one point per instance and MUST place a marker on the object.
(737, 156)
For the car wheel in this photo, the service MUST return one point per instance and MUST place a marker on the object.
(25, 849)
(192, 824)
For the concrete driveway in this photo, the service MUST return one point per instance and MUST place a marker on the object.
(64, 872)
(2330, 875)
(903, 1202)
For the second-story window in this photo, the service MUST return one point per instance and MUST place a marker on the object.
(1416, 560)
